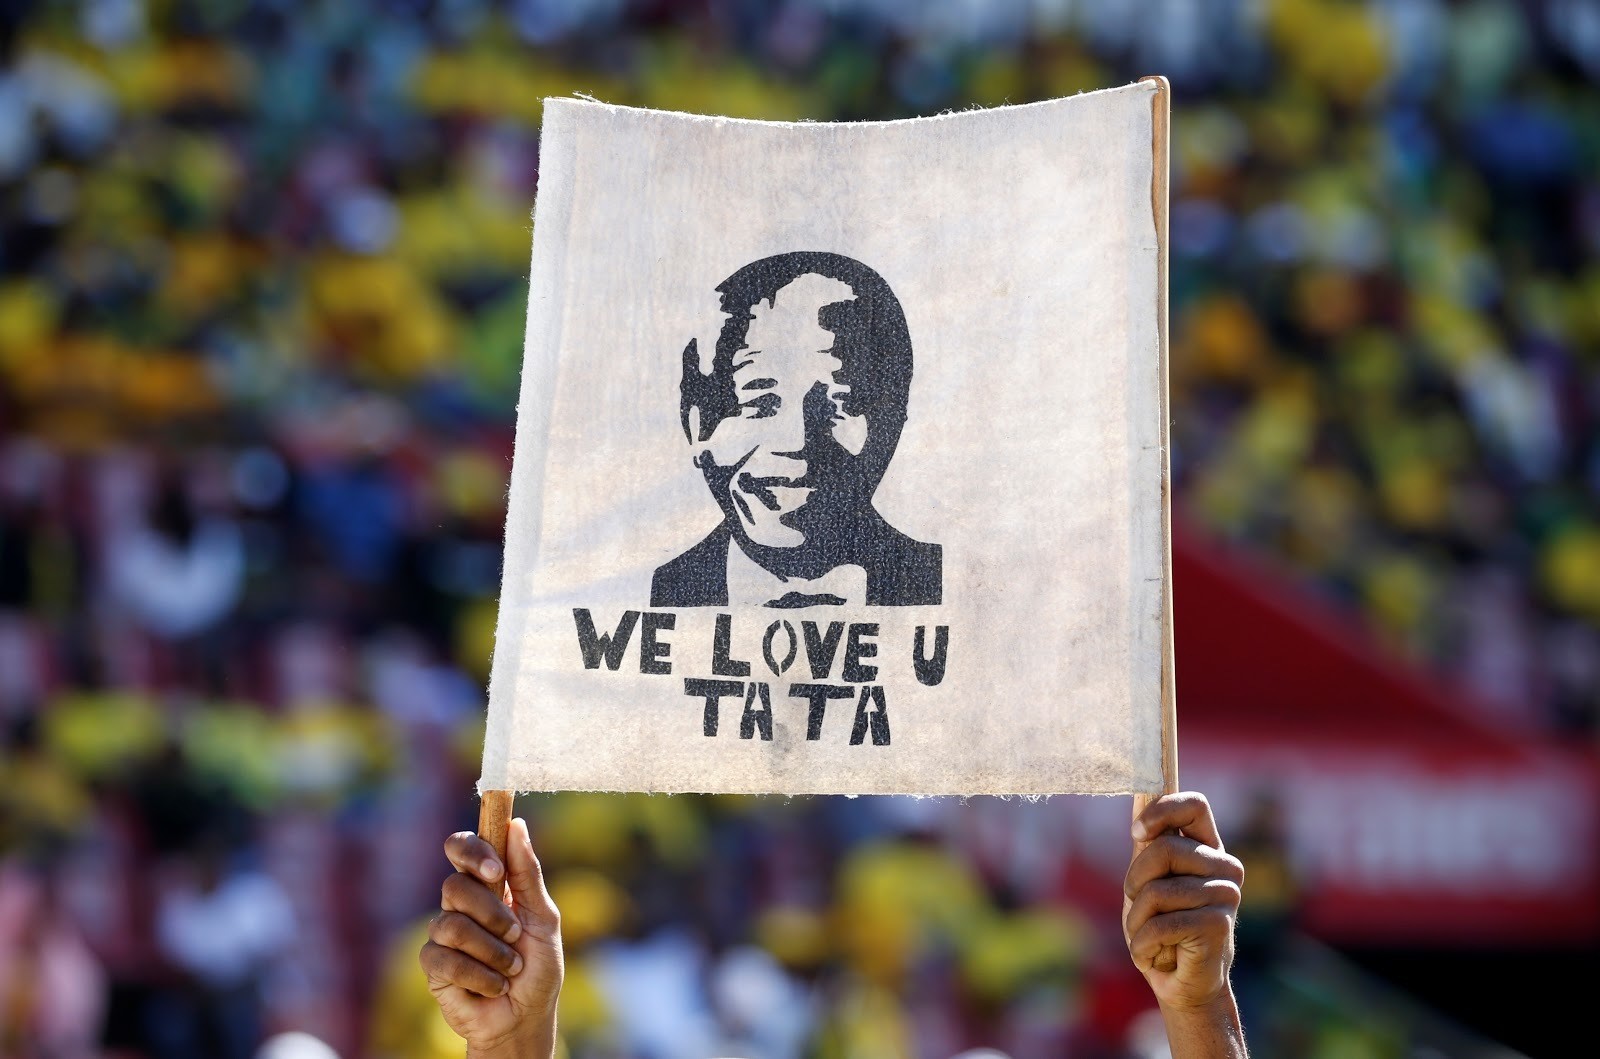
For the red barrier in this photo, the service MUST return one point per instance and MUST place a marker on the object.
(1409, 819)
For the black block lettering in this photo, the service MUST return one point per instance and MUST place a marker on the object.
(878, 719)
(596, 646)
(818, 694)
(652, 652)
(821, 649)
(855, 650)
(757, 718)
(779, 668)
(713, 691)
(930, 671)
(721, 664)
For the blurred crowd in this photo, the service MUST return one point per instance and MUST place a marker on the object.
(262, 290)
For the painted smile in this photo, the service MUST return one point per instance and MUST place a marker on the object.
(775, 493)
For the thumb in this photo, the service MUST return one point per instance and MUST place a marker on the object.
(525, 878)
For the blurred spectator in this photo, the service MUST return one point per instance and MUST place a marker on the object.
(52, 989)
(760, 1008)
(178, 573)
(221, 926)
(295, 1046)
(1267, 920)
(654, 987)
(406, 1023)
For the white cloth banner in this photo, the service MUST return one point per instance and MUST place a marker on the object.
(839, 457)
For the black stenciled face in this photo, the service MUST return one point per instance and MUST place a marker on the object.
(785, 456)
(800, 407)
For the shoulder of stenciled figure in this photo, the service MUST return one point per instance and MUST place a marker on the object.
(689, 579)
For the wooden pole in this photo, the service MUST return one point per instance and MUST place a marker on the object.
(1160, 170)
(494, 822)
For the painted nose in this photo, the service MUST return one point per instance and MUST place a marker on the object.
(806, 426)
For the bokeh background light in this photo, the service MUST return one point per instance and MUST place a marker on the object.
(262, 293)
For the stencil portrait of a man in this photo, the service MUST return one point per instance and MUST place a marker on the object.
(793, 418)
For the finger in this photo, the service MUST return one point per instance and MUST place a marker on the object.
(465, 894)
(1188, 812)
(452, 930)
(452, 967)
(1178, 894)
(1176, 855)
(1202, 930)
(526, 878)
(471, 854)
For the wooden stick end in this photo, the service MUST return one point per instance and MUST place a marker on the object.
(494, 820)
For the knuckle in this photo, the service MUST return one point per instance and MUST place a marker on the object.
(1139, 909)
(506, 922)
(458, 888)
(1168, 924)
(448, 930)
(1173, 848)
(1160, 891)
(1175, 892)
(1150, 937)
(1179, 804)
(1190, 921)
(1224, 892)
(463, 970)
(458, 970)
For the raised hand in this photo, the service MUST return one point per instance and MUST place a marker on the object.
(1181, 897)
(496, 968)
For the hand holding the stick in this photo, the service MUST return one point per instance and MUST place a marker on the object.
(1182, 894)
(496, 969)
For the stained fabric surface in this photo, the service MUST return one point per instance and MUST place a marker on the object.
(838, 459)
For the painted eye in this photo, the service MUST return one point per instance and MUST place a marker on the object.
(761, 407)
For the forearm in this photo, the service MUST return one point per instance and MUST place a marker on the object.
(1210, 1032)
